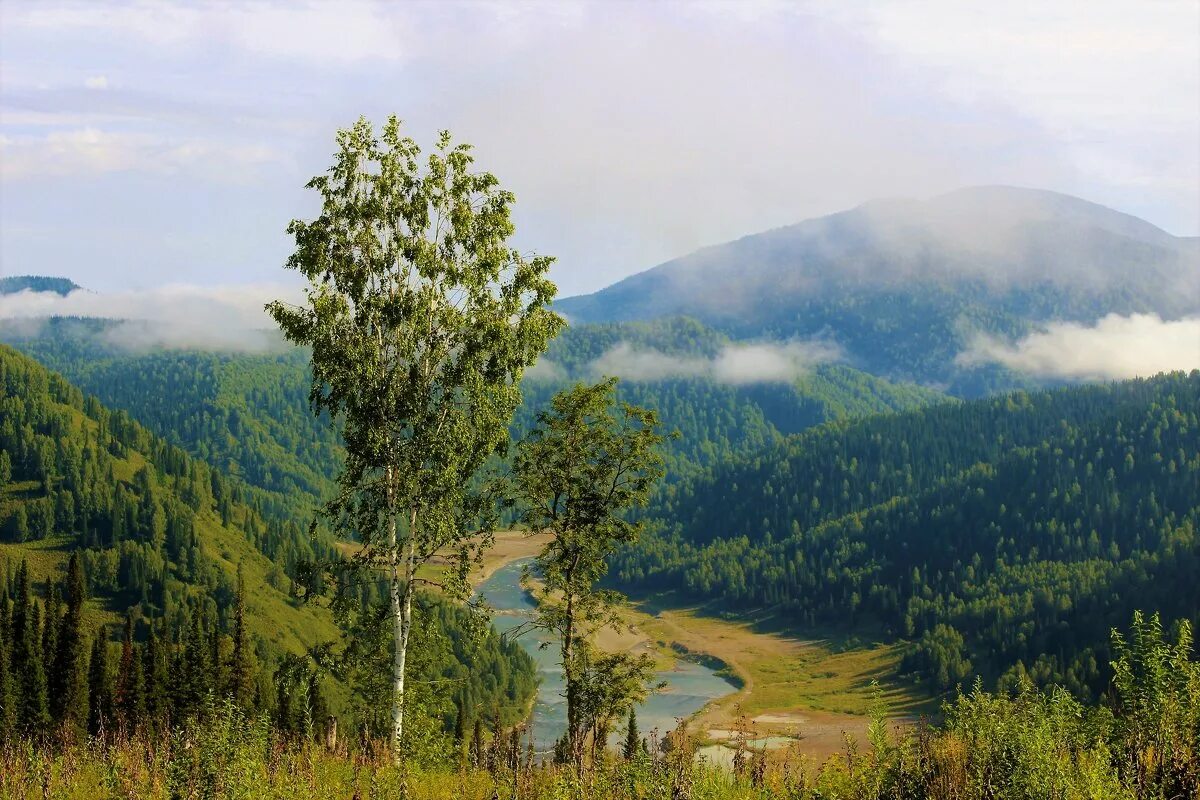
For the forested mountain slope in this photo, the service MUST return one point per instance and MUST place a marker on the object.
(248, 414)
(1005, 535)
(162, 537)
(903, 285)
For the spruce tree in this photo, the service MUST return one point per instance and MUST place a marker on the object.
(33, 712)
(100, 693)
(129, 700)
(477, 744)
(51, 624)
(241, 666)
(8, 696)
(69, 687)
(157, 675)
(633, 741)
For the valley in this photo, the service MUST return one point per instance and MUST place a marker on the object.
(806, 694)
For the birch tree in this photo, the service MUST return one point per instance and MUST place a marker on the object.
(585, 464)
(421, 318)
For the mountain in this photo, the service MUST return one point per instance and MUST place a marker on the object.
(248, 414)
(903, 285)
(162, 536)
(37, 283)
(1006, 536)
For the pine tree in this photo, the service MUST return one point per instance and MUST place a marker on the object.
(8, 711)
(32, 698)
(129, 700)
(477, 744)
(100, 694)
(241, 666)
(156, 673)
(70, 679)
(460, 724)
(51, 624)
(633, 741)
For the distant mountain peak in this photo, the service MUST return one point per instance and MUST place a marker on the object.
(37, 283)
(902, 283)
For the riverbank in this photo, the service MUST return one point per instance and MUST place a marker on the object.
(801, 692)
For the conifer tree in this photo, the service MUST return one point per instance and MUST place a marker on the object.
(129, 697)
(633, 741)
(241, 666)
(156, 672)
(100, 690)
(70, 679)
(8, 711)
(460, 725)
(51, 623)
(28, 669)
(477, 744)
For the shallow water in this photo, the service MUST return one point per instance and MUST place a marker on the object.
(689, 685)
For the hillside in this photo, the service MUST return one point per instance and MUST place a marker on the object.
(162, 537)
(1006, 535)
(248, 414)
(902, 285)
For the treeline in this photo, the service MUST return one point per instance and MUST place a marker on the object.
(59, 676)
(1006, 536)
(1143, 743)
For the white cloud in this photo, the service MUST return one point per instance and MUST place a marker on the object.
(318, 31)
(90, 151)
(545, 370)
(96, 82)
(1114, 347)
(631, 132)
(736, 363)
(171, 317)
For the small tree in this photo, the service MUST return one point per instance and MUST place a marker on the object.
(578, 472)
(241, 660)
(69, 690)
(421, 319)
(633, 740)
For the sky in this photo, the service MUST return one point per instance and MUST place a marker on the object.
(149, 144)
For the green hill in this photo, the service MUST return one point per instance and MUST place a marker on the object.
(162, 535)
(1006, 535)
(248, 414)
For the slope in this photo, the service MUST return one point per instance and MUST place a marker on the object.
(1006, 535)
(163, 536)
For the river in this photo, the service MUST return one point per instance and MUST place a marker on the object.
(690, 685)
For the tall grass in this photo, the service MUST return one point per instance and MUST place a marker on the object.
(992, 747)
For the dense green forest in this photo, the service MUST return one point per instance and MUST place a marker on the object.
(156, 540)
(1006, 536)
(247, 415)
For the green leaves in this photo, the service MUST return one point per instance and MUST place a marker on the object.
(421, 321)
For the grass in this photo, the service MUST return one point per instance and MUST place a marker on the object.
(815, 687)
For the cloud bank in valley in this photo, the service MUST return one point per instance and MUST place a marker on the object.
(174, 317)
(1114, 347)
(735, 363)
